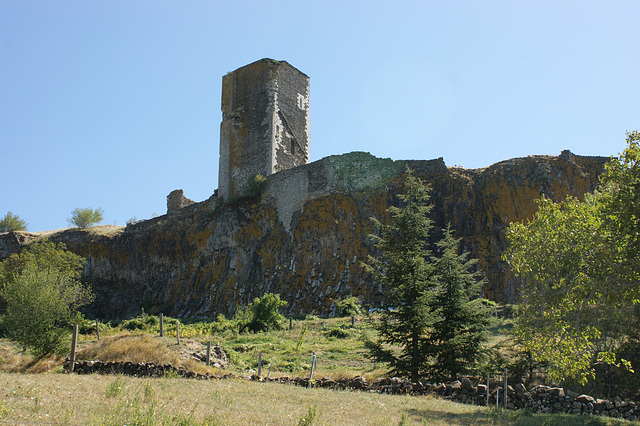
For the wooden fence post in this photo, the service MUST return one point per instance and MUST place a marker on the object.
(505, 388)
(178, 331)
(161, 325)
(74, 341)
(353, 321)
(313, 364)
(487, 391)
(259, 363)
(290, 323)
(97, 330)
(208, 354)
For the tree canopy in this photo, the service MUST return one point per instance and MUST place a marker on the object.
(11, 222)
(42, 292)
(84, 218)
(579, 264)
(427, 296)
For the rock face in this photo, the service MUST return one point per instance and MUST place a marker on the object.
(308, 234)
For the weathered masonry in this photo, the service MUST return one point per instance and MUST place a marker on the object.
(265, 123)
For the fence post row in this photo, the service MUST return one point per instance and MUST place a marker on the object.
(178, 331)
(97, 330)
(161, 325)
(259, 363)
(208, 354)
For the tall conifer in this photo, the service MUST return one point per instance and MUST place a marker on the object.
(403, 268)
(430, 323)
(458, 331)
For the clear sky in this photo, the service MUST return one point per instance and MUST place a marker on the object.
(115, 103)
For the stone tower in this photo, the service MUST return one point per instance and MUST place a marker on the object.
(265, 123)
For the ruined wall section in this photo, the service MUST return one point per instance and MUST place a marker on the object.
(265, 123)
(292, 133)
(176, 200)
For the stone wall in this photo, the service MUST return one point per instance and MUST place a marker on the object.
(540, 398)
(176, 200)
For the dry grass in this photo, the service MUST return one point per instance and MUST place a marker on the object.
(130, 347)
(144, 348)
(85, 400)
(109, 400)
(14, 360)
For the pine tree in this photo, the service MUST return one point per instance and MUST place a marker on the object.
(429, 311)
(404, 269)
(458, 331)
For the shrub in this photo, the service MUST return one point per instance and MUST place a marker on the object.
(339, 332)
(349, 307)
(42, 294)
(84, 218)
(256, 185)
(263, 313)
(11, 222)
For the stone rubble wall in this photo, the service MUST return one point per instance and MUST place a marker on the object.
(540, 398)
(176, 200)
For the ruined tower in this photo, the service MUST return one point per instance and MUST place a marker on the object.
(265, 123)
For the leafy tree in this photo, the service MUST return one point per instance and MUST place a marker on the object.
(621, 200)
(579, 264)
(455, 340)
(84, 218)
(404, 270)
(11, 222)
(41, 291)
(263, 313)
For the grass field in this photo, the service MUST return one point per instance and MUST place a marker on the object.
(115, 400)
(35, 391)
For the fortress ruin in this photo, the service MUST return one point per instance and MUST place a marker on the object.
(265, 123)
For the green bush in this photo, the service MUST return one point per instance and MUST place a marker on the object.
(256, 185)
(42, 294)
(263, 313)
(339, 332)
(84, 218)
(141, 322)
(11, 222)
(349, 307)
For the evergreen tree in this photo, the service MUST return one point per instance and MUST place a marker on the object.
(404, 269)
(458, 331)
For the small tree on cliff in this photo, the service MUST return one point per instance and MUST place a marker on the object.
(11, 222)
(404, 269)
(84, 218)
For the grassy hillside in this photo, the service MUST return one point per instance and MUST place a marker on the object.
(116, 400)
(45, 395)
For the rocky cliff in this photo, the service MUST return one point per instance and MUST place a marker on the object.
(307, 235)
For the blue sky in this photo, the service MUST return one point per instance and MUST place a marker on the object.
(116, 103)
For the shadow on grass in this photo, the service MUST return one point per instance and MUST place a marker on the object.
(509, 417)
